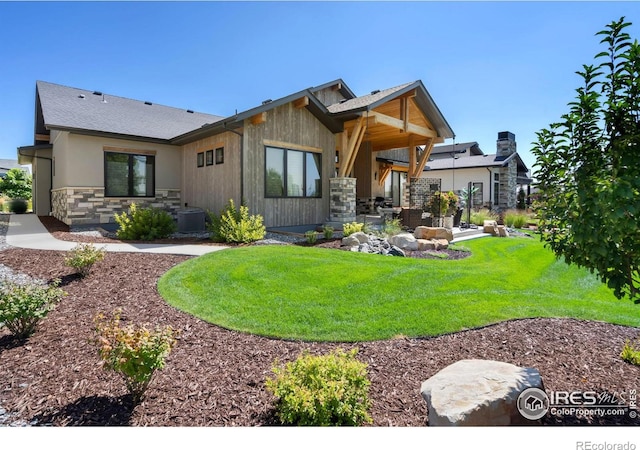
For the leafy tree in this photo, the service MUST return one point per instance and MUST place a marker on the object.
(16, 184)
(589, 169)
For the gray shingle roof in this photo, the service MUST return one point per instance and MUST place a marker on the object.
(471, 147)
(71, 108)
(365, 100)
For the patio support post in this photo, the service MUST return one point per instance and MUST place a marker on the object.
(342, 205)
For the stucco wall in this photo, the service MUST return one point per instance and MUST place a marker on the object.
(462, 178)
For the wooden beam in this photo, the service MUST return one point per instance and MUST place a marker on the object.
(352, 147)
(400, 125)
(42, 137)
(301, 102)
(384, 172)
(424, 158)
(412, 156)
(337, 86)
(258, 118)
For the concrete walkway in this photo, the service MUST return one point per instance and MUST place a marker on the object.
(26, 231)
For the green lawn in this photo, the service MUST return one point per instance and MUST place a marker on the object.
(328, 295)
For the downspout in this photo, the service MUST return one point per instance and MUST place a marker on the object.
(50, 175)
(224, 125)
(490, 186)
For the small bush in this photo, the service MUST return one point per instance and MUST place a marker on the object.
(327, 231)
(392, 227)
(332, 389)
(311, 236)
(145, 224)
(515, 219)
(82, 258)
(349, 228)
(631, 352)
(22, 306)
(478, 217)
(134, 352)
(236, 226)
(18, 206)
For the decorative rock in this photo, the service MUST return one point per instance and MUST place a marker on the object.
(502, 231)
(476, 392)
(395, 251)
(490, 226)
(405, 241)
(440, 244)
(350, 241)
(433, 233)
(424, 244)
(363, 238)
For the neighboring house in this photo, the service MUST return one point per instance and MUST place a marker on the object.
(496, 177)
(8, 164)
(301, 159)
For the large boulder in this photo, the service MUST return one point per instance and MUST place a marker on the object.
(490, 226)
(502, 231)
(477, 392)
(433, 233)
(426, 244)
(405, 241)
(355, 239)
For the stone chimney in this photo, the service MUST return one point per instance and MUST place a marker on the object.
(506, 144)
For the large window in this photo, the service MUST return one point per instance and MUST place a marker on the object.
(292, 173)
(393, 186)
(129, 175)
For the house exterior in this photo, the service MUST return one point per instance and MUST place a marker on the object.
(495, 177)
(302, 159)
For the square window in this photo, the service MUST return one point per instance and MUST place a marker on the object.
(129, 175)
(220, 155)
(201, 159)
(209, 157)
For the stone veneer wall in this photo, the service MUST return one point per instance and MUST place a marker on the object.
(78, 205)
(508, 181)
(342, 203)
(420, 191)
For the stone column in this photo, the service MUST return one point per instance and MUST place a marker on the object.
(342, 203)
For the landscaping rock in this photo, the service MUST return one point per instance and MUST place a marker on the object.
(350, 241)
(424, 244)
(490, 226)
(440, 244)
(502, 231)
(395, 251)
(476, 392)
(433, 233)
(363, 238)
(405, 241)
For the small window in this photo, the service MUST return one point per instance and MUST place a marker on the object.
(209, 157)
(201, 159)
(220, 155)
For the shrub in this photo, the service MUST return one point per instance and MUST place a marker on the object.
(144, 224)
(391, 227)
(22, 306)
(631, 352)
(311, 236)
(236, 226)
(16, 184)
(324, 390)
(328, 230)
(478, 217)
(82, 258)
(134, 352)
(18, 205)
(349, 228)
(515, 219)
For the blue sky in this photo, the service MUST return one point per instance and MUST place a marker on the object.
(490, 66)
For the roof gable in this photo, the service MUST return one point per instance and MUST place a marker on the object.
(68, 108)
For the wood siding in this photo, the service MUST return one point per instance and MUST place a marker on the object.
(299, 127)
(329, 96)
(211, 187)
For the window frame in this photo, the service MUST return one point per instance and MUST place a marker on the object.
(219, 155)
(209, 158)
(200, 159)
(285, 174)
(130, 167)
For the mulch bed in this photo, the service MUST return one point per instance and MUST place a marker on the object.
(215, 377)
